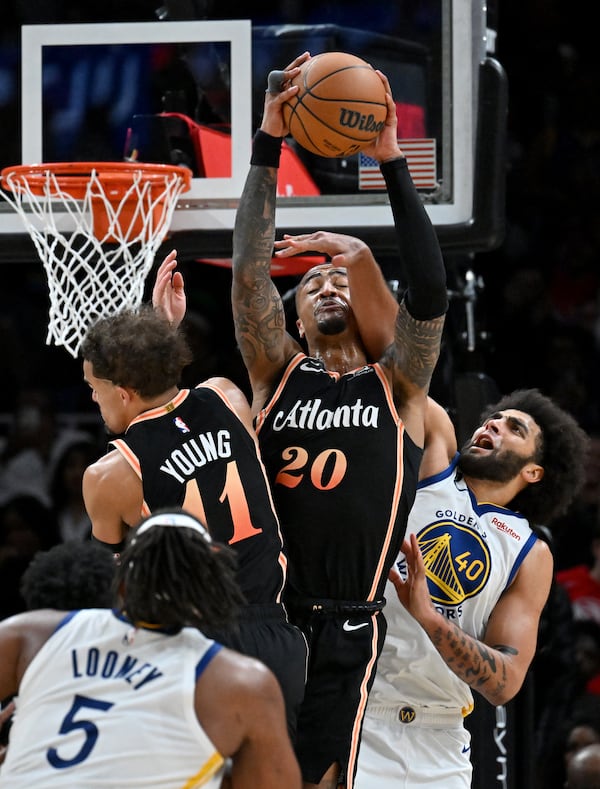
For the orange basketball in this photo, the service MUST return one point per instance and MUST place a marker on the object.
(340, 107)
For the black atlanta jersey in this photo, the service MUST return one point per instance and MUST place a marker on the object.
(343, 475)
(195, 453)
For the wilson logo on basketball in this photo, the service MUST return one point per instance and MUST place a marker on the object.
(340, 106)
(356, 120)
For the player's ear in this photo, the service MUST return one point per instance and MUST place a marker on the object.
(533, 473)
(300, 327)
(126, 394)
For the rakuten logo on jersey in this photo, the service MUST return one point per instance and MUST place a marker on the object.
(501, 526)
(310, 415)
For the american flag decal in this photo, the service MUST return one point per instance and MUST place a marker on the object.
(420, 156)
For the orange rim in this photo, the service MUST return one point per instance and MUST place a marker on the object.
(73, 177)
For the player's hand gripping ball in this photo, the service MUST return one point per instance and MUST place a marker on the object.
(340, 107)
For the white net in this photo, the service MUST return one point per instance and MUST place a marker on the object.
(99, 265)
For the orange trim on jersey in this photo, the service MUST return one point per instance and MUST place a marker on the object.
(292, 364)
(387, 388)
(264, 412)
(360, 712)
(282, 560)
(227, 402)
(161, 410)
(221, 394)
(132, 460)
(393, 512)
(389, 395)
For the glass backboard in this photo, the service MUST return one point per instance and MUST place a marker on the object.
(191, 92)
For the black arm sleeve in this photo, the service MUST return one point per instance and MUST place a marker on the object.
(266, 150)
(420, 254)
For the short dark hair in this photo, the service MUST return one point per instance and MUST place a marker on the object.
(69, 576)
(561, 451)
(173, 577)
(138, 349)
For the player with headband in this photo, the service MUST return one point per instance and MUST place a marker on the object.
(138, 695)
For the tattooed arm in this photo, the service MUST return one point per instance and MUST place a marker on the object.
(411, 360)
(258, 311)
(496, 665)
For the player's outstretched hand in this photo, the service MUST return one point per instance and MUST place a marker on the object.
(279, 90)
(342, 249)
(168, 294)
(385, 146)
(413, 592)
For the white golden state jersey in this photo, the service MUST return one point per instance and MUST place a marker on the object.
(471, 552)
(105, 705)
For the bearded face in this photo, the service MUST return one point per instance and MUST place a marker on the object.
(323, 302)
(331, 324)
(493, 465)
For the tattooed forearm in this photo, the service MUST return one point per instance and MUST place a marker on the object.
(259, 321)
(258, 312)
(254, 230)
(416, 347)
(483, 668)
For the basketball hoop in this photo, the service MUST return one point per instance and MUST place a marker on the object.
(119, 214)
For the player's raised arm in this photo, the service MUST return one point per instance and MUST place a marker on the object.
(414, 352)
(374, 305)
(258, 310)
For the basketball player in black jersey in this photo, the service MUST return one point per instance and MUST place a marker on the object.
(341, 439)
(194, 449)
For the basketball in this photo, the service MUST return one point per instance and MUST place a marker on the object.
(340, 107)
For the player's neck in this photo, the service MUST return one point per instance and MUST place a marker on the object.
(160, 401)
(499, 493)
(339, 356)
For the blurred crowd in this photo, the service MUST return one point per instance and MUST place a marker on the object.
(542, 306)
(41, 502)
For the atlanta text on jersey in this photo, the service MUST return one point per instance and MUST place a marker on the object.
(310, 416)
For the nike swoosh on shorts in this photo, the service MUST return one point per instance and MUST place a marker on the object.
(348, 627)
